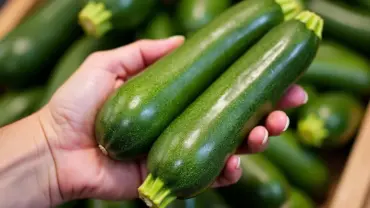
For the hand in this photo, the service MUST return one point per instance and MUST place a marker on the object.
(68, 121)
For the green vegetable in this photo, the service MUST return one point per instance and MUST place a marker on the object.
(338, 67)
(98, 17)
(344, 23)
(261, 185)
(28, 52)
(207, 199)
(331, 121)
(302, 168)
(193, 15)
(161, 26)
(189, 155)
(94, 203)
(74, 57)
(15, 105)
(137, 113)
(298, 199)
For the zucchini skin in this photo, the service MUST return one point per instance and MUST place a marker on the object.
(341, 115)
(194, 14)
(28, 52)
(339, 67)
(166, 88)
(209, 198)
(15, 105)
(298, 199)
(94, 203)
(302, 168)
(191, 152)
(74, 57)
(161, 26)
(344, 23)
(262, 185)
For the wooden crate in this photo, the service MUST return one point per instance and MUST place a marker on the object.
(351, 188)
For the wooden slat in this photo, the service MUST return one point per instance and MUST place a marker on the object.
(352, 190)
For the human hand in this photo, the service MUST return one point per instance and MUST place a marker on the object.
(82, 170)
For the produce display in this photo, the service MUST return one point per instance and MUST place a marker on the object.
(198, 104)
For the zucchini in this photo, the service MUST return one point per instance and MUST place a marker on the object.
(345, 23)
(298, 199)
(209, 198)
(195, 14)
(161, 26)
(341, 68)
(29, 51)
(74, 57)
(261, 185)
(15, 105)
(98, 17)
(191, 152)
(331, 121)
(95, 203)
(135, 115)
(302, 168)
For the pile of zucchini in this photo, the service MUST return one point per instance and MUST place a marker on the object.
(239, 58)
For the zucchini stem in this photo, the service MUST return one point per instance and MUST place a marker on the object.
(154, 193)
(290, 8)
(312, 130)
(94, 19)
(312, 21)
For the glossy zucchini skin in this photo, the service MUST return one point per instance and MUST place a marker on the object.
(339, 67)
(262, 185)
(28, 52)
(344, 23)
(15, 105)
(191, 152)
(331, 121)
(136, 114)
(195, 14)
(74, 57)
(160, 27)
(298, 199)
(302, 168)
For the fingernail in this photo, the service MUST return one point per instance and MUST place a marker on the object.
(287, 124)
(176, 37)
(238, 163)
(265, 138)
(305, 98)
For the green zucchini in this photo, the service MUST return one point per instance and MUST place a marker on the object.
(74, 57)
(15, 105)
(209, 198)
(191, 152)
(344, 23)
(298, 199)
(302, 168)
(331, 121)
(341, 68)
(95, 203)
(262, 185)
(98, 17)
(28, 52)
(161, 26)
(135, 115)
(195, 14)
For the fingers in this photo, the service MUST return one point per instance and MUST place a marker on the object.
(277, 122)
(295, 96)
(231, 173)
(256, 142)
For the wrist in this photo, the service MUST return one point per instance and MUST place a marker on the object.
(27, 169)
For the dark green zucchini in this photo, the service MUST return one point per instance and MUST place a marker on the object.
(161, 26)
(341, 68)
(95, 203)
(195, 14)
(344, 23)
(135, 115)
(262, 185)
(191, 152)
(74, 57)
(15, 105)
(209, 198)
(98, 17)
(28, 52)
(302, 168)
(298, 199)
(331, 121)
